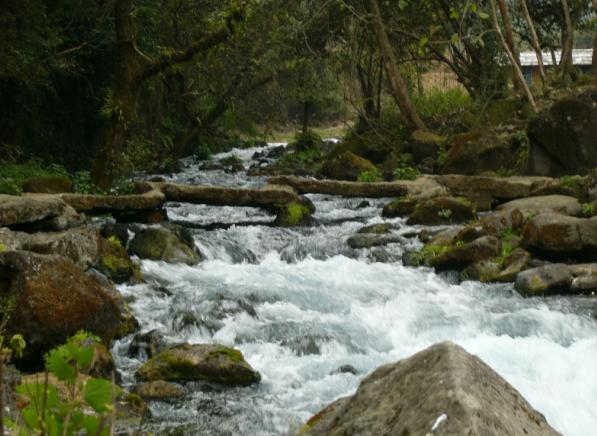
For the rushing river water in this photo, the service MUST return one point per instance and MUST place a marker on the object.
(300, 304)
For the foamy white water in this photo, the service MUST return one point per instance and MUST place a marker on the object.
(299, 303)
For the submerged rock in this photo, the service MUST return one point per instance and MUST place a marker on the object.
(54, 300)
(158, 243)
(159, 390)
(442, 390)
(211, 363)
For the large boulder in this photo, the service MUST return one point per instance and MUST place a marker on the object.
(559, 235)
(159, 390)
(83, 245)
(54, 299)
(202, 362)
(442, 210)
(459, 255)
(346, 166)
(442, 390)
(479, 151)
(557, 278)
(562, 204)
(157, 243)
(37, 212)
(564, 137)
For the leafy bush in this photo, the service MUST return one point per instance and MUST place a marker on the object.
(438, 103)
(202, 152)
(405, 170)
(371, 176)
(306, 141)
(84, 185)
(62, 402)
(12, 176)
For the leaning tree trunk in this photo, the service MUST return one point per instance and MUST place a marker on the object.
(517, 69)
(566, 63)
(595, 47)
(120, 104)
(509, 36)
(535, 40)
(397, 83)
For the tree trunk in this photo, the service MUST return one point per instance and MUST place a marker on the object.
(121, 102)
(595, 47)
(133, 69)
(517, 69)
(397, 83)
(509, 36)
(566, 63)
(306, 109)
(535, 40)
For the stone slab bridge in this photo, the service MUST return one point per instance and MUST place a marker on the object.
(282, 196)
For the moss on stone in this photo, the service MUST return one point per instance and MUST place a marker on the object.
(431, 251)
(2, 248)
(231, 353)
(296, 213)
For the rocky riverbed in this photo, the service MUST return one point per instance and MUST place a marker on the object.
(228, 324)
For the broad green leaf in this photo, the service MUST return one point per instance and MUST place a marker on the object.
(36, 394)
(57, 363)
(98, 394)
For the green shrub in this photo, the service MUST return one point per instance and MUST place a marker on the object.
(202, 152)
(306, 141)
(64, 407)
(12, 176)
(589, 209)
(438, 103)
(405, 169)
(83, 183)
(371, 176)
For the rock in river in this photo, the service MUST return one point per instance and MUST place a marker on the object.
(442, 390)
(211, 363)
(162, 244)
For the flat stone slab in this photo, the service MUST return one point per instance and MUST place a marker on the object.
(442, 390)
(97, 204)
(562, 204)
(268, 197)
(15, 210)
(342, 188)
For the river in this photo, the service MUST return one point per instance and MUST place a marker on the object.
(300, 304)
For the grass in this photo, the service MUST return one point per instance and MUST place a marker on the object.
(12, 176)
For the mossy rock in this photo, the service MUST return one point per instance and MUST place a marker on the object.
(115, 263)
(163, 244)
(211, 363)
(160, 390)
(296, 213)
(443, 210)
(346, 166)
(399, 208)
(377, 229)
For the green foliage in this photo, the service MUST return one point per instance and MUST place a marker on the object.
(429, 252)
(202, 152)
(588, 209)
(437, 104)
(61, 404)
(405, 170)
(12, 176)
(306, 141)
(372, 176)
(445, 213)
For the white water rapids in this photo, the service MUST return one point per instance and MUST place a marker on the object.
(299, 304)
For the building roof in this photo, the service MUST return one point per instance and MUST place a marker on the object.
(579, 57)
